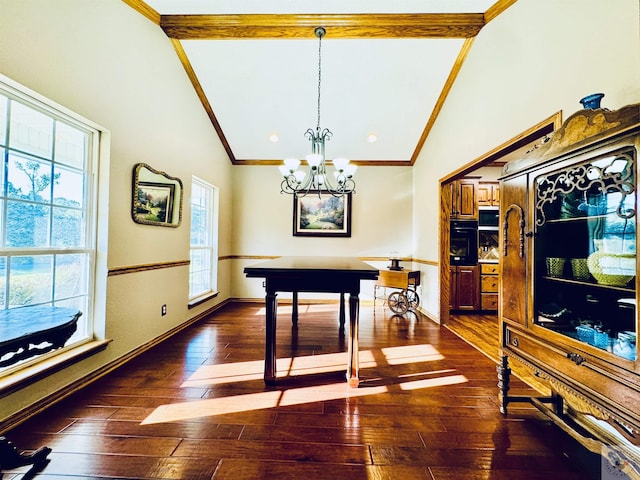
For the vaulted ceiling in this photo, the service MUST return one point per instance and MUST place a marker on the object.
(387, 67)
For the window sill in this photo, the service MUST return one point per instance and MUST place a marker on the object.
(199, 300)
(31, 374)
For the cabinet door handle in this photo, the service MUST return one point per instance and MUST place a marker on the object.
(505, 227)
(575, 358)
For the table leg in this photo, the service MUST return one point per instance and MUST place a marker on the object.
(352, 349)
(271, 301)
(342, 316)
(294, 309)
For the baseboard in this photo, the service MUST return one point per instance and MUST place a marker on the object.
(55, 397)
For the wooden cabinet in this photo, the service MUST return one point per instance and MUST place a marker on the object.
(515, 250)
(488, 194)
(464, 204)
(568, 293)
(463, 290)
(489, 283)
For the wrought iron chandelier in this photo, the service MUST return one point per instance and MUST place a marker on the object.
(316, 179)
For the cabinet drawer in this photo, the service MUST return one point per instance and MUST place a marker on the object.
(489, 268)
(489, 301)
(489, 284)
(578, 371)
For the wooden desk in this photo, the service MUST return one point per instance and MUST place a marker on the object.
(312, 274)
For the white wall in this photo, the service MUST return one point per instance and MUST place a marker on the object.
(263, 222)
(109, 64)
(538, 57)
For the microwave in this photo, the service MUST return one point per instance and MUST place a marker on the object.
(488, 218)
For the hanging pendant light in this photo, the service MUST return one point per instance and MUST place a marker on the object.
(316, 178)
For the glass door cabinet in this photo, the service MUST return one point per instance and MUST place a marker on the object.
(585, 252)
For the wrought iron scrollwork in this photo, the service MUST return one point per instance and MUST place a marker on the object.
(610, 174)
(505, 227)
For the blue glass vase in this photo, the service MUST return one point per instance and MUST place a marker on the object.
(592, 101)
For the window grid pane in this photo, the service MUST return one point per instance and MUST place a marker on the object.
(44, 204)
(30, 280)
(30, 130)
(203, 253)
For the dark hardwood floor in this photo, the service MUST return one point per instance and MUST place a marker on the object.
(480, 330)
(196, 407)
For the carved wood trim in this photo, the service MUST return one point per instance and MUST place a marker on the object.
(193, 78)
(457, 65)
(588, 126)
(144, 9)
(578, 401)
(505, 227)
(147, 267)
(358, 25)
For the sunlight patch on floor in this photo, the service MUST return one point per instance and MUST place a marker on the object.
(411, 354)
(434, 382)
(245, 371)
(281, 398)
(307, 365)
(299, 366)
(303, 308)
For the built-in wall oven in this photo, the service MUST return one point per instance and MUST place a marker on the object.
(464, 242)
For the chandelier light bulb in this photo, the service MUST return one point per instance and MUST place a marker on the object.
(292, 164)
(340, 163)
(314, 159)
(299, 176)
(350, 170)
(284, 171)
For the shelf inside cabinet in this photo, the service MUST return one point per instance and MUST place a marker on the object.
(571, 281)
(576, 219)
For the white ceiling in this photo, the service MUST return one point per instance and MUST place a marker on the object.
(372, 81)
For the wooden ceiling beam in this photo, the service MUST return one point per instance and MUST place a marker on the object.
(288, 26)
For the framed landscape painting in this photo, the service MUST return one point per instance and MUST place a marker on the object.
(154, 202)
(320, 214)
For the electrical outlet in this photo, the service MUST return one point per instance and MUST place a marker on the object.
(163, 311)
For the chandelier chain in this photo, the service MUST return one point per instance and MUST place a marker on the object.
(320, 35)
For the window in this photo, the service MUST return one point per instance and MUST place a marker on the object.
(47, 220)
(204, 240)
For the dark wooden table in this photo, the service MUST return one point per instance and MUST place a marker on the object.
(312, 274)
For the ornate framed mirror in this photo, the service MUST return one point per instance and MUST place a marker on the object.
(156, 197)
